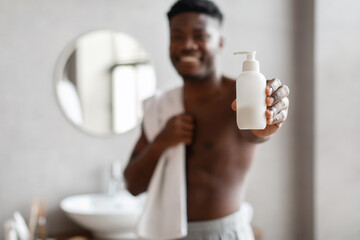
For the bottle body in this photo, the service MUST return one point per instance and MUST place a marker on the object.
(250, 100)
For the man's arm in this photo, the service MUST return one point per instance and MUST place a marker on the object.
(142, 164)
(138, 173)
(250, 136)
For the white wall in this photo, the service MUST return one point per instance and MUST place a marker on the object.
(41, 153)
(337, 117)
(269, 28)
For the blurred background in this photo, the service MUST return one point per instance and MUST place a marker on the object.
(305, 181)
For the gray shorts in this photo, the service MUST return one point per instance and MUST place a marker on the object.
(231, 227)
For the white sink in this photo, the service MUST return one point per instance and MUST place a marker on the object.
(106, 217)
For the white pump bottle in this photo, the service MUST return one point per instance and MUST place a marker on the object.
(250, 95)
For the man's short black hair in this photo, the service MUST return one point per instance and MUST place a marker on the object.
(200, 6)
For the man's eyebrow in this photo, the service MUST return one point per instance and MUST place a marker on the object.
(200, 29)
(175, 30)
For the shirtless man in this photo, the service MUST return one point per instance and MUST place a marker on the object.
(218, 154)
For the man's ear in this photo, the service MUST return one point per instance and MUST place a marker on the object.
(221, 42)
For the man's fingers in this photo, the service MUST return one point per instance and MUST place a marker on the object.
(182, 120)
(186, 117)
(188, 141)
(187, 137)
(272, 85)
(276, 108)
(279, 94)
(185, 133)
(278, 118)
(187, 122)
(233, 105)
(187, 126)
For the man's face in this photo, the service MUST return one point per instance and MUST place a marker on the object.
(194, 43)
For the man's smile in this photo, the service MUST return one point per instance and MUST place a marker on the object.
(189, 59)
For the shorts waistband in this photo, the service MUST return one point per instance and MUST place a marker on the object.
(216, 225)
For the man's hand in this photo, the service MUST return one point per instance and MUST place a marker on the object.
(179, 128)
(277, 103)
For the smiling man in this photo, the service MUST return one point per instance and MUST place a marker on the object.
(218, 154)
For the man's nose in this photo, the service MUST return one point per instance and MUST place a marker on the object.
(190, 44)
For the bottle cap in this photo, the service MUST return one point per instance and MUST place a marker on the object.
(250, 64)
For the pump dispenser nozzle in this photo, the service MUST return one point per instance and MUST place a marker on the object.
(250, 64)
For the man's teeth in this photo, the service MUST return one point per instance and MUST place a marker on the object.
(189, 59)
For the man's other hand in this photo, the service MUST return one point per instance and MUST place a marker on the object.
(179, 128)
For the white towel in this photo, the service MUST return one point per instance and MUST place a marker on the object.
(164, 216)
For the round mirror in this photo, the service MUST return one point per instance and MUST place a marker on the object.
(101, 79)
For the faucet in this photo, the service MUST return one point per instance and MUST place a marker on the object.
(116, 182)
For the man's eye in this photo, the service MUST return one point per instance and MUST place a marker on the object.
(202, 36)
(175, 37)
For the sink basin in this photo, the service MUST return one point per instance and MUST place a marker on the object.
(114, 217)
(105, 216)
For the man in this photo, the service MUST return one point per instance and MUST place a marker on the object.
(218, 154)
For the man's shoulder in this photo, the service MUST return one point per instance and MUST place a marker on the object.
(229, 81)
(228, 85)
